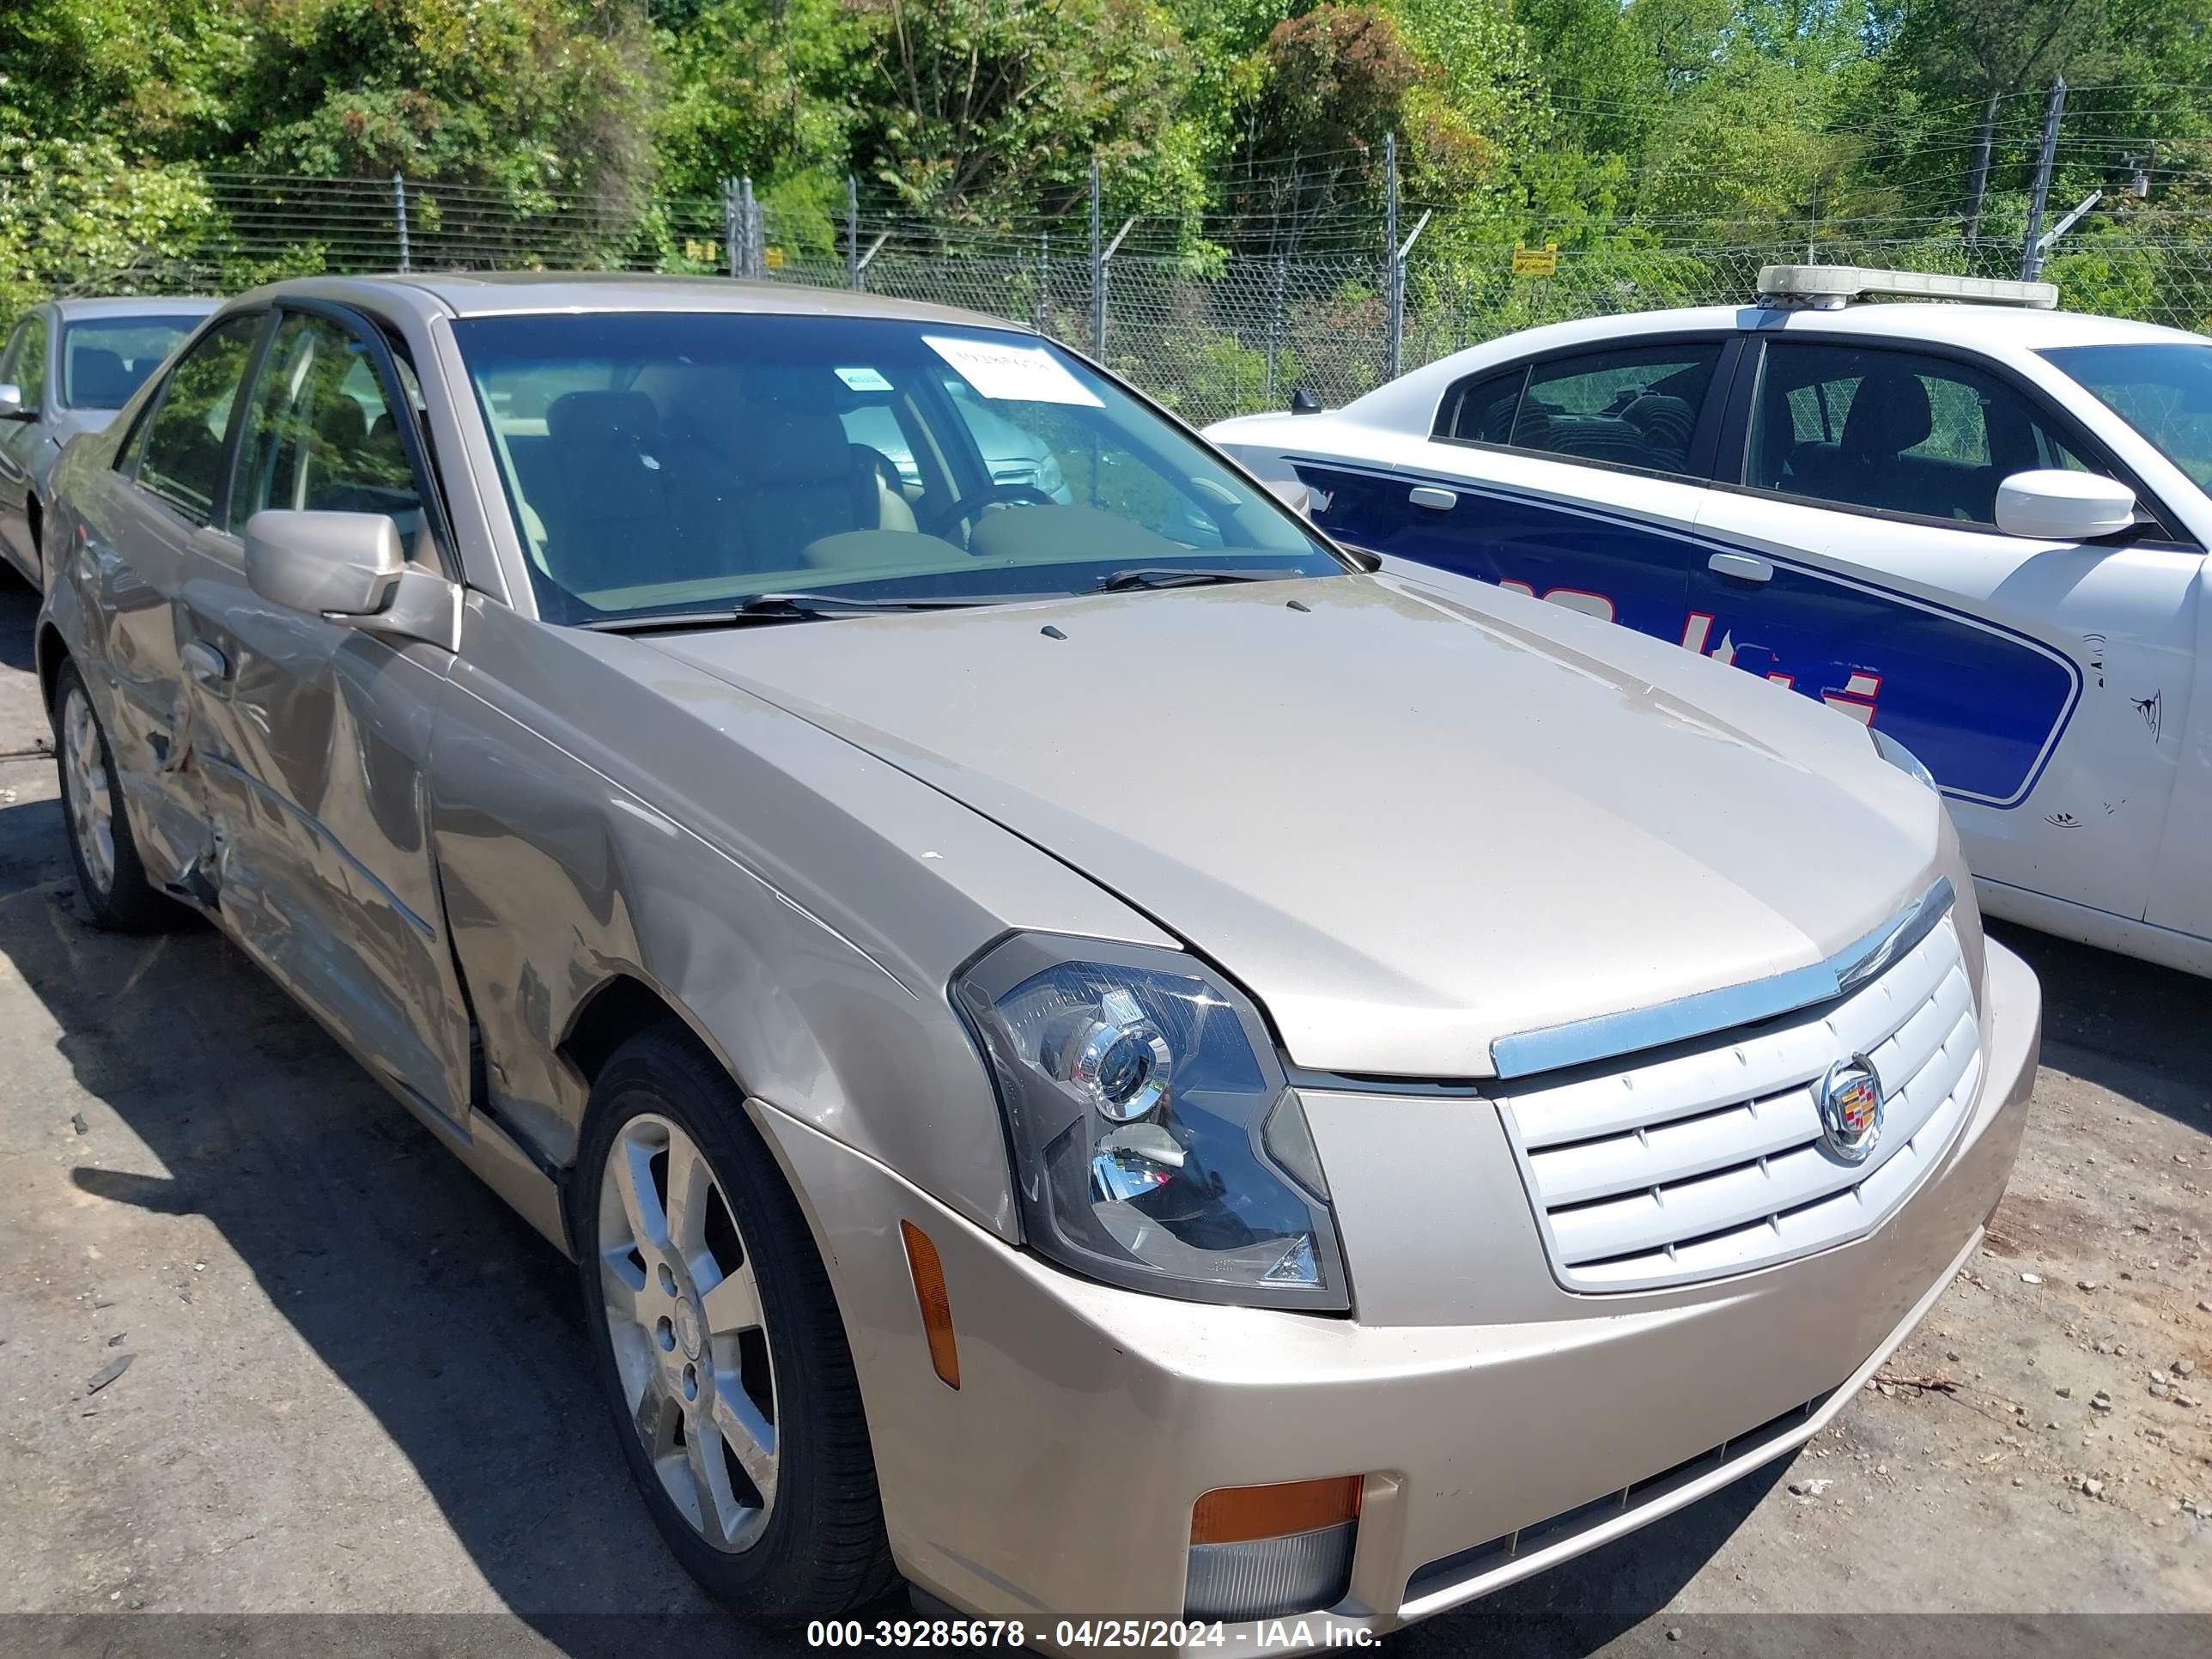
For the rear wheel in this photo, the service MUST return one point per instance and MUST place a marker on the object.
(111, 883)
(718, 1342)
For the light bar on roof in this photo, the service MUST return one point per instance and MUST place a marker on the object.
(1828, 286)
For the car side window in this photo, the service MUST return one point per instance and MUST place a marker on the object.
(1638, 407)
(1891, 431)
(182, 460)
(1480, 410)
(318, 434)
(25, 364)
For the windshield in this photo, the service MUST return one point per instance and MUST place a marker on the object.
(657, 462)
(105, 359)
(2163, 391)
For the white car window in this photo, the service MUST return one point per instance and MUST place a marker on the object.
(1889, 431)
(1636, 407)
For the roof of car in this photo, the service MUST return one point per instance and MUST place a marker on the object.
(506, 294)
(135, 305)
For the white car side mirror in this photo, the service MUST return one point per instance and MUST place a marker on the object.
(1293, 495)
(2050, 505)
(11, 401)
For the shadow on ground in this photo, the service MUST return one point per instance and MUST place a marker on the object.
(2137, 1029)
(447, 1318)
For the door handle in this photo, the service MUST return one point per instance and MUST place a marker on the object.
(1744, 567)
(205, 663)
(1436, 500)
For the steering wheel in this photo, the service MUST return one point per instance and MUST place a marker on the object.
(939, 519)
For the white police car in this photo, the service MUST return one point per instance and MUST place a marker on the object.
(1979, 528)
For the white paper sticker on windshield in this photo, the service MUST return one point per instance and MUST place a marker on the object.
(864, 380)
(1028, 374)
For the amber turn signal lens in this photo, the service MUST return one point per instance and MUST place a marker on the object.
(936, 1306)
(1236, 1515)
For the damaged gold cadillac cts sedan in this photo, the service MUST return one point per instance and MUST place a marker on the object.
(1095, 1051)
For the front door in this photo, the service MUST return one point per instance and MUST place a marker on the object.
(313, 734)
(23, 365)
(138, 528)
(1859, 562)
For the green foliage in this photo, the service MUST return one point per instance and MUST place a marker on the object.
(72, 214)
(532, 97)
(602, 131)
(974, 109)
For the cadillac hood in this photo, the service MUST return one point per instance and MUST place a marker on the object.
(1410, 816)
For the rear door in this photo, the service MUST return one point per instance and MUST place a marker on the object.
(1854, 558)
(313, 735)
(1576, 476)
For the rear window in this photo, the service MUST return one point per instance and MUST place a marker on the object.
(105, 360)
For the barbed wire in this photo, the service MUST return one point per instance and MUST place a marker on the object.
(1278, 279)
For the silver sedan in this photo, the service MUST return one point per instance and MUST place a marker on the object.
(67, 365)
(1095, 1051)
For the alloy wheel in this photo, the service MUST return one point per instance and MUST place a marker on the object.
(91, 803)
(690, 1339)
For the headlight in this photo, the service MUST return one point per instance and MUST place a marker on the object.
(1155, 1142)
(1900, 756)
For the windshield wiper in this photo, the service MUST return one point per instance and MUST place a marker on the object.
(782, 607)
(1122, 581)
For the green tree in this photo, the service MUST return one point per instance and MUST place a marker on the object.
(982, 109)
(530, 95)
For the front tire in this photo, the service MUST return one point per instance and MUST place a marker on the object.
(111, 882)
(718, 1344)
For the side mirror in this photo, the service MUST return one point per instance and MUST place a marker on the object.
(2054, 505)
(1292, 494)
(327, 564)
(11, 403)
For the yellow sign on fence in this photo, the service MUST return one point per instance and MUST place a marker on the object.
(1536, 262)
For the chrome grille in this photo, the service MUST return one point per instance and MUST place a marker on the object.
(1710, 1161)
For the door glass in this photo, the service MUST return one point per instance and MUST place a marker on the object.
(1893, 431)
(1481, 411)
(28, 367)
(319, 436)
(183, 459)
(1635, 408)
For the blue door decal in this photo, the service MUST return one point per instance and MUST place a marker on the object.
(1982, 705)
(1613, 567)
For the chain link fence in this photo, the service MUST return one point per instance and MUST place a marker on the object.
(1208, 332)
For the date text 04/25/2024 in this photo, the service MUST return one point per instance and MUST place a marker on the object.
(1166, 1634)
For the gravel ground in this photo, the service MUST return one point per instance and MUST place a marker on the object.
(265, 1349)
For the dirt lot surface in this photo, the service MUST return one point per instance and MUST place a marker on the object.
(355, 1384)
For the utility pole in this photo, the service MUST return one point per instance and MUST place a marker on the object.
(732, 249)
(1978, 184)
(1097, 271)
(750, 209)
(852, 232)
(2031, 255)
(1394, 265)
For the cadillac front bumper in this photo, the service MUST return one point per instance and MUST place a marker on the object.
(1498, 1422)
